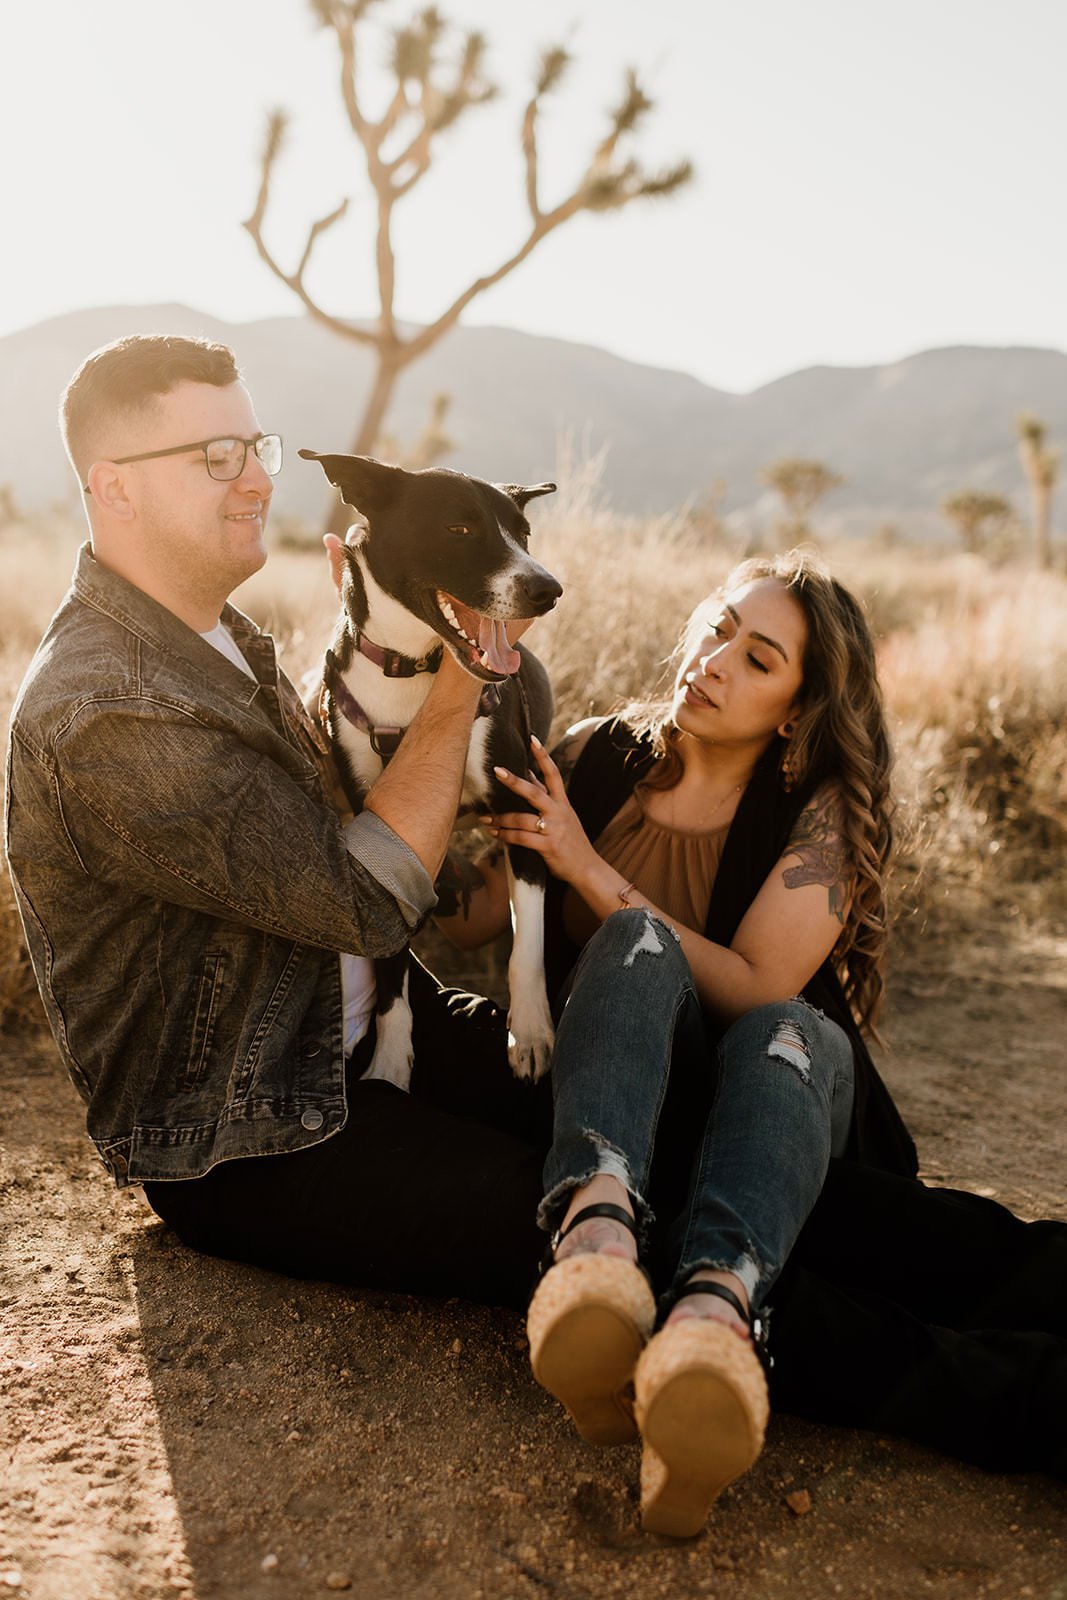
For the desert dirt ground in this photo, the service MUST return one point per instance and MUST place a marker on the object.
(175, 1424)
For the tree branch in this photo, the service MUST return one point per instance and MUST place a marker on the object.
(253, 225)
(426, 100)
(545, 225)
(597, 190)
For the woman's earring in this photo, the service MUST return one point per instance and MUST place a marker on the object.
(786, 769)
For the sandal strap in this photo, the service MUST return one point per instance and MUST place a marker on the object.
(603, 1208)
(709, 1286)
(758, 1322)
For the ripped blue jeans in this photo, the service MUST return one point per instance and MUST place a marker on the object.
(745, 1147)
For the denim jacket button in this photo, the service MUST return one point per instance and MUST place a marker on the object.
(312, 1119)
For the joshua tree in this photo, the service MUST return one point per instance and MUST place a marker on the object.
(431, 91)
(432, 443)
(1041, 466)
(9, 511)
(976, 515)
(801, 484)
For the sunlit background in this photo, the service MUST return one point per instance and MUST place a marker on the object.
(872, 179)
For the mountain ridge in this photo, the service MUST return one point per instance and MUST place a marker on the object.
(902, 434)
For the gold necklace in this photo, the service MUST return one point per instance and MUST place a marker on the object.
(716, 807)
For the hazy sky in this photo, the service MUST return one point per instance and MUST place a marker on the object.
(874, 177)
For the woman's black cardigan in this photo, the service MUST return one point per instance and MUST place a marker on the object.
(927, 1312)
(610, 765)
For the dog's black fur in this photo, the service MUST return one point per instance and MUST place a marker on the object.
(443, 563)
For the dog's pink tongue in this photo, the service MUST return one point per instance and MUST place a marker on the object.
(499, 655)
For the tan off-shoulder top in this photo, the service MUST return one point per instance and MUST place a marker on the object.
(675, 870)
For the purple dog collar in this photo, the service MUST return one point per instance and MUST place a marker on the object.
(384, 738)
(393, 662)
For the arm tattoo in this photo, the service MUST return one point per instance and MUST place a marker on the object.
(824, 855)
(457, 881)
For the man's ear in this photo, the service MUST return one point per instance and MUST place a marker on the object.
(108, 487)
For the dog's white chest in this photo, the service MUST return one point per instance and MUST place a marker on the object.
(390, 703)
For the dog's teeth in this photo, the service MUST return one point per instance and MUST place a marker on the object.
(449, 614)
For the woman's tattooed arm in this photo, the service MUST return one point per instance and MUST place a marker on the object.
(818, 840)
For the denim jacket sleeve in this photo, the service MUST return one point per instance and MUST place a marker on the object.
(167, 802)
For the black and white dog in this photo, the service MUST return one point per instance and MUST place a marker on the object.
(442, 564)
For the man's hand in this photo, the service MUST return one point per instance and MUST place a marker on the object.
(418, 793)
(517, 627)
(335, 552)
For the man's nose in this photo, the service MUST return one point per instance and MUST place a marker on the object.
(254, 477)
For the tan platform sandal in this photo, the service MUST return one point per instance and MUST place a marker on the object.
(588, 1322)
(702, 1407)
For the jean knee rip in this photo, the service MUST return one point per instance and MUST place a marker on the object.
(787, 1043)
(649, 942)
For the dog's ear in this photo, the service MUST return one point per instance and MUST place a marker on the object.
(365, 484)
(520, 493)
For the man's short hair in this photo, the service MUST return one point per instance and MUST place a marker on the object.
(124, 379)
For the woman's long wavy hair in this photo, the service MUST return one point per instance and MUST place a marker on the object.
(839, 734)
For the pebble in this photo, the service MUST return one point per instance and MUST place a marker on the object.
(12, 1578)
(294, 1437)
(338, 1580)
(269, 1563)
(799, 1502)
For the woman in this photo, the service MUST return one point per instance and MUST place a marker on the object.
(775, 698)
(710, 1062)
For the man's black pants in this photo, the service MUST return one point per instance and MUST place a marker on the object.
(431, 1192)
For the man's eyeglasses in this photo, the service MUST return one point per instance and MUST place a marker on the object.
(224, 458)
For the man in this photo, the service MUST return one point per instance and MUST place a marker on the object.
(198, 917)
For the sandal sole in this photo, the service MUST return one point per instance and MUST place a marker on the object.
(702, 1408)
(588, 1323)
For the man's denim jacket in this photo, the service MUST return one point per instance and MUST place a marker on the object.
(185, 887)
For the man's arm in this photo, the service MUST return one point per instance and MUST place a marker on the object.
(158, 801)
(418, 793)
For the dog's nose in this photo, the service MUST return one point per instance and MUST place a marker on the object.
(542, 591)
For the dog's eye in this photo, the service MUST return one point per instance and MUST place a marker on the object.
(458, 527)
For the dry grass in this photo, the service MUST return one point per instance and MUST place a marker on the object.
(974, 662)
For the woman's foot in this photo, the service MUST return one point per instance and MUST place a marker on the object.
(600, 1236)
(591, 1316)
(702, 1407)
(712, 1307)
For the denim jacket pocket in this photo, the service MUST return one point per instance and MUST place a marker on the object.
(208, 1003)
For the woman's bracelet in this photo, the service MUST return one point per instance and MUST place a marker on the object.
(624, 895)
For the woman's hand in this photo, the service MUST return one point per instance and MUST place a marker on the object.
(552, 829)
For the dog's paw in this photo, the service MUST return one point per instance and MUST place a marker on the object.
(391, 1070)
(392, 1060)
(529, 1048)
